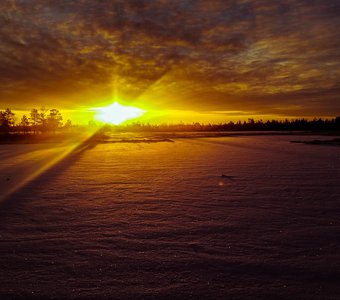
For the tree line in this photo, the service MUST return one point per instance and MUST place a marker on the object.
(50, 120)
(37, 121)
(249, 125)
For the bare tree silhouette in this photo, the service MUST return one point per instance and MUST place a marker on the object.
(54, 120)
(6, 120)
(25, 124)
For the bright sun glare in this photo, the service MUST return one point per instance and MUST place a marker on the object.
(117, 113)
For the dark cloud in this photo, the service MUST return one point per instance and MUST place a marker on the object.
(212, 55)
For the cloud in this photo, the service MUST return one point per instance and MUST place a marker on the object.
(197, 55)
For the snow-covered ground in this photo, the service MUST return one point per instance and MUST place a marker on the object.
(157, 221)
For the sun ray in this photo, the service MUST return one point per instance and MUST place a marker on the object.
(48, 158)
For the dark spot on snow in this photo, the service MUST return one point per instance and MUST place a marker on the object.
(227, 177)
(196, 247)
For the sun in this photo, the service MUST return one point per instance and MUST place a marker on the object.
(117, 113)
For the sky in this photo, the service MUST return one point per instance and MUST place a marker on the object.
(188, 60)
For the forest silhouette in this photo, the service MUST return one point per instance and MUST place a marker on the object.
(40, 122)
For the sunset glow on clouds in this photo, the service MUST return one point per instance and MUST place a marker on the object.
(254, 57)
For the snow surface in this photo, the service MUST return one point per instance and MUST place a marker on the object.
(157, 221)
